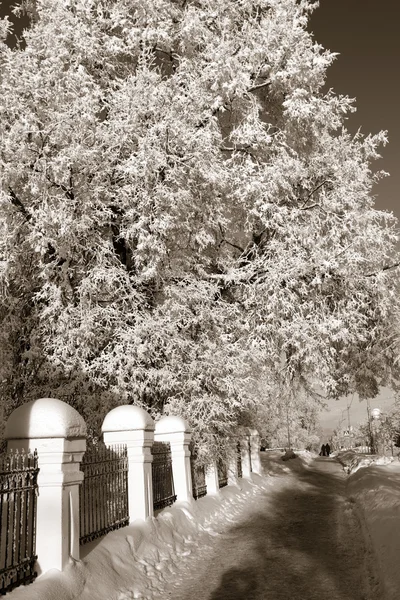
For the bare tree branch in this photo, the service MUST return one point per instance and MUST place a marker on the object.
(385, 268)
(317, 188)
(304, 207)
(223, 240)
(311, 206)
(233, 245)
(259, 86)
(15, 201)
(235, 148)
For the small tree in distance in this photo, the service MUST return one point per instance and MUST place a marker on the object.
(184, 214)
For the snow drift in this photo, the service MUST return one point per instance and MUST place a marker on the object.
(133, 562)
(374, 485)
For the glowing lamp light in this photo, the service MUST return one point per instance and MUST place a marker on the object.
(376, 413)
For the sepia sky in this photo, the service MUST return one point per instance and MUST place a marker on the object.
(365, 33)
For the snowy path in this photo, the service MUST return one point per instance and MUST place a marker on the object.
(298, 540)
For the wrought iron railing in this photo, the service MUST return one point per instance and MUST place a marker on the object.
(198, 472)
(162, 477)
(249, 451)
(239, 460)
(222, 474)
(103, 495)
(362, 449)
(18, 493)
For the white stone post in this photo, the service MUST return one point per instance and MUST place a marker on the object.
(245, 454)
(133, 426)
(212, 478)
(176, 431)
(255, 451)
(58, 432)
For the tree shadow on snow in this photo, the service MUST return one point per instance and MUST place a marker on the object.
(237, 583)
(290, 546)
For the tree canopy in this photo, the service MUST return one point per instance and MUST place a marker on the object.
(184, 213)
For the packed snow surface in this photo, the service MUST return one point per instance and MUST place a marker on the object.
(303, 531)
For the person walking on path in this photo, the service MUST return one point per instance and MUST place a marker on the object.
(327, 449)
(323, 450)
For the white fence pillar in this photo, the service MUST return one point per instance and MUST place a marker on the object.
(176, 431)
(58, 432)
(245, 455)
(255, 451)
(133, 426)
(212, 478)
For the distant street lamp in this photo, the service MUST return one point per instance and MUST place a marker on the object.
(375, 413)
(376, 433)
(288, 424)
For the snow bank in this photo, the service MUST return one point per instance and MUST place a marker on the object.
(134, 562)
(274, 462)
(352, 461)
(289, 454)
(375, 489)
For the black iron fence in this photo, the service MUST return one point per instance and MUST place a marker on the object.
(103, 495)
(18, 493)
(363, 449)
(249, 451)
(222, 474)
(198, 472)
(239, 460)
(163, 480)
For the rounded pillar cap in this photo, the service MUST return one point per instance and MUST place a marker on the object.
(172, 424)
(45, 418)
(127, 418)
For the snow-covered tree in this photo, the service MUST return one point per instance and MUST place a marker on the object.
(183, 210)
(287, 418)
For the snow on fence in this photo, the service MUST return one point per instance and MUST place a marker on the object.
(18, 491)
(140, 466)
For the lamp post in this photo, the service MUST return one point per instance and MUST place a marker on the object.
(288, 426)
(375, 427)
(371, 441)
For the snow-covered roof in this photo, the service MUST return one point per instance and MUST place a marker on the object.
(172, 424)
(45, 418)
(127, 418)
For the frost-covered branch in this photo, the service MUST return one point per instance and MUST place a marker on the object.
(188, 238)
(383, 269)
(259, 86)
(15, 201)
